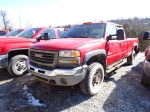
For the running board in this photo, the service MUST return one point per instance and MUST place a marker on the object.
(115, 67)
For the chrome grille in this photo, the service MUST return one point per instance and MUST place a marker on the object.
(43, 58)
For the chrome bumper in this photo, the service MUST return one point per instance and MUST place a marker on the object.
(3, 61)
(58, 76)
(146, 67)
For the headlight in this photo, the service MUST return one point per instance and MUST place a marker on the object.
(69, 53)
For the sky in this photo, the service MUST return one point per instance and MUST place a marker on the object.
(61, 12)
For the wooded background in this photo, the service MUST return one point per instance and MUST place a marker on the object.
(134, 27)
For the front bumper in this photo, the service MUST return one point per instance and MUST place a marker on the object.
(58, 76)
(146, 67)
(3, 61)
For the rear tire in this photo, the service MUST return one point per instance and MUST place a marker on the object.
(130, 59)
(145, 80)
(92, 82)
(17, 65)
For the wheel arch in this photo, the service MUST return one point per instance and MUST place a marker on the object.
(14, 52)
(96, 56)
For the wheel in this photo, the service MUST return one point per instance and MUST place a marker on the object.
(17, 65)
(145, 79)
(91, 84)
(130, 59)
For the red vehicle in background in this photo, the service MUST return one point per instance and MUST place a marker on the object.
(146, 64)
(14, 32)
(3, 32)
(14, 50)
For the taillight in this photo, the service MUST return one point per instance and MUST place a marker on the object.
(147, 53)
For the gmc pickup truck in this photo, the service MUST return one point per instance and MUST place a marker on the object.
(14, 50)
(84, 55)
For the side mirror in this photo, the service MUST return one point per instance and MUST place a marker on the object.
(120, 34)
(38, 39)
(46, 36)
(112, 37)
(146, 35)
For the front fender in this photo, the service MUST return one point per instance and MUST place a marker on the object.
(93, 53)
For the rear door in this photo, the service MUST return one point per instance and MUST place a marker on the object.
(113, 48)
(123, 47)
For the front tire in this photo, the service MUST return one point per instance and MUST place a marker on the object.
(145, 80)
(17, 65)
(92, 82)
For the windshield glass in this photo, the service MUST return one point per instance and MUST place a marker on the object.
(95, 30)
(2, 33)
(13, 33)
(29, 33)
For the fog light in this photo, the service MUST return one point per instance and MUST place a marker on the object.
(75, 61)
(63, 80)
(68, 61)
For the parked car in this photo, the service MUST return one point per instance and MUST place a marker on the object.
(84, 55)
(146, 64)
(14, 50)
(3, 32)
(14, 32)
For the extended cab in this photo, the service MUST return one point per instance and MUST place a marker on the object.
(84, 55)
(14, 50)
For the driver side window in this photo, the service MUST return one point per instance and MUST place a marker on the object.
(112, 30)
(51, 32)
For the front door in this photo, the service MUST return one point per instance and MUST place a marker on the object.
(113, 47)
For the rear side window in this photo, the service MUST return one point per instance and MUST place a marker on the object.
(2, 33)
(51, 32)
(61, 32)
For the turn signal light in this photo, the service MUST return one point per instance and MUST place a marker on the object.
(147, 54)
(76, 53)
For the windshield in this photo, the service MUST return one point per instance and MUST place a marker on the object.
(95, 30)
(29, 33)
(2, 33)
(13, 33)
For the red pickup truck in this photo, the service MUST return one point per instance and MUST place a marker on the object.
(14, 50)
(84, 55)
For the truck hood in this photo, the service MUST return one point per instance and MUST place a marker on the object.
(67, 43)
(4, 40)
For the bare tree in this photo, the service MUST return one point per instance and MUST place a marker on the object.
(20, 21)
(28, 25)
(5, 21)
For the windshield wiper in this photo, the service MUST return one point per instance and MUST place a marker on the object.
(83, 36)
(66, 37)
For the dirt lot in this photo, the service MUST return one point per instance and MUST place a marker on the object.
(121, 92)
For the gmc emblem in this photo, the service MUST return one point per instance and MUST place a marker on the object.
(38, 55)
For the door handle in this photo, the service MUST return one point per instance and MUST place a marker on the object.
(120, 43)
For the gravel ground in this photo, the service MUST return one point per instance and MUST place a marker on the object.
(121, 92)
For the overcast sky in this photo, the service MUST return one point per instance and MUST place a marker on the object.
(61, 12)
